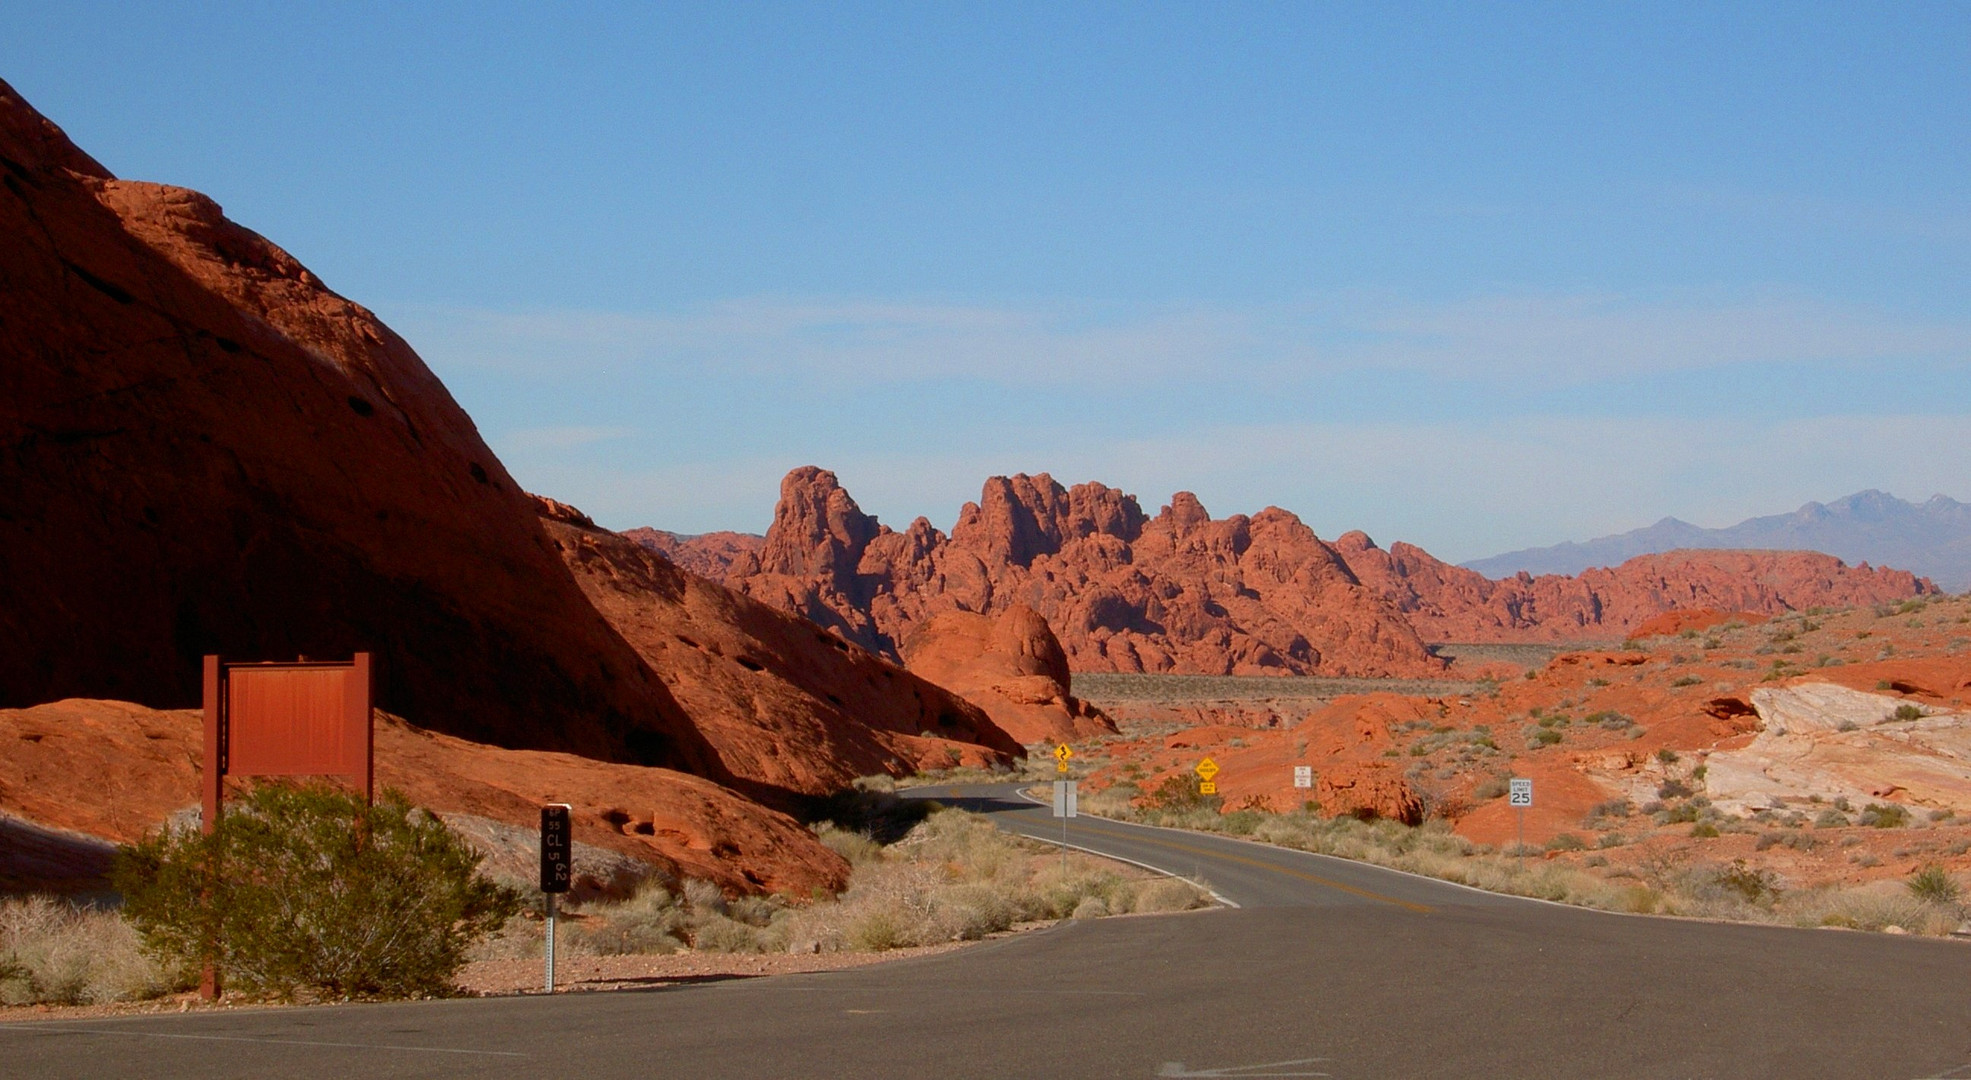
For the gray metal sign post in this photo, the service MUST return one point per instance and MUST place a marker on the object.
(557, 867)
(1519, 792)
(1066, 805)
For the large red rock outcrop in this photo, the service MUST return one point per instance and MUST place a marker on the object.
(207, 450)
(783, 705)
(114, 770)
(1450, 603)
(1181, 592)
(1123, 591)
(1010, 665)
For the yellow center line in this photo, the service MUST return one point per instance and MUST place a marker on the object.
(1263, 865)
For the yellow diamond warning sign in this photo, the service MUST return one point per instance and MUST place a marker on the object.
(1207, 769)
(1063, 752)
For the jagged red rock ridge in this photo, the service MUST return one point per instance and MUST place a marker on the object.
(208, 450)
(1181, 592)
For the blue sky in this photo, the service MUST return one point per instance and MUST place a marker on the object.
(1471, 277)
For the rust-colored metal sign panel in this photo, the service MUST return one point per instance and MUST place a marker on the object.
(299, 719)
(287, 721)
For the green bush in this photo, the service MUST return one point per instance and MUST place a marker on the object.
(309, 889)
(1884, 816)
(1934, 884)
(1906, 711)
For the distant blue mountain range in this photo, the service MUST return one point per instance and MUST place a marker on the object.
(1932, 539)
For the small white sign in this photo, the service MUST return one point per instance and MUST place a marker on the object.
(1303, 776)
(1066, 799)
(1519, 792)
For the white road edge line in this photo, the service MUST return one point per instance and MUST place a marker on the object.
(1199, 885)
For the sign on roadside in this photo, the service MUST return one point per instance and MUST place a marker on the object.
(1519, 792)
(1061, 755)
(557, 848)
(1206, 770)
(1303, 776)
(1066, 799)
(557, 867)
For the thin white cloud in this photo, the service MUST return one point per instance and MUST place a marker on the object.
(1562, 338)
(563, 438)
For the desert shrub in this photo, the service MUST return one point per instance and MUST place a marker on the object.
(1666, 755)
(1566, 842)
(1933, 883)
(1704, 829)
(1543, 737)
(1884, 816)
(308, 888)
(856, 847)
(1673, 788)
(1747, 883)
(56, 952)
(1677, 815)
(651, 921)
(1907, 711)
(1179, 793)
(1685, 680)
(870, 807)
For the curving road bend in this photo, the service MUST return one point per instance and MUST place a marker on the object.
(1326, 969)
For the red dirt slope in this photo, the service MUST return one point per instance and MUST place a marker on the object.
(115, 770)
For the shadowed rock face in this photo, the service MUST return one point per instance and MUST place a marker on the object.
(207, 450)
(204, 449)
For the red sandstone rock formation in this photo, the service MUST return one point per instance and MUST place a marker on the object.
(781, 703)
(1183, 593)
(1121, 590)
(1449, 603)
(1368, 790)
(706, 554)
(113, 770)
(210, 451)
(1010, 665)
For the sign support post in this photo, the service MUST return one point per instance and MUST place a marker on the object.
(1520, 793)
(1066, 805)
(557, 867)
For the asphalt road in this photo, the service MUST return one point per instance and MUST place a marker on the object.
(1326, 969)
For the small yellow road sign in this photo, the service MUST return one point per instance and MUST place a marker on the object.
(1206, 787)
(1207, 769)
(1063, 752)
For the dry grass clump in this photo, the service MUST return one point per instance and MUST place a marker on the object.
(951, 877)
(956, 877)
(1929, 903)
(60, 953)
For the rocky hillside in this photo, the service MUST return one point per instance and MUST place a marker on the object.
(208, 450)
(1451, 603)
(1181, 592)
